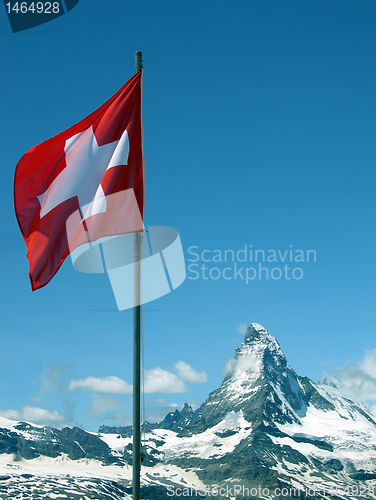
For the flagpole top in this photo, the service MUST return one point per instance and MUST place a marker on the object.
(138, 61)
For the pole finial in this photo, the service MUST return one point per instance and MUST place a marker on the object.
(138, 61)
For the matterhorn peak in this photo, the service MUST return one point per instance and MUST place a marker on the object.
(260, 362)
(254, 329)
(258, 341)
(258, 359)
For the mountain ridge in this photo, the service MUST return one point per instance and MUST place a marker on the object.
(265, 428)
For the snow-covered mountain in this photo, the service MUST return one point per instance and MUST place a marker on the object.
(264, 433)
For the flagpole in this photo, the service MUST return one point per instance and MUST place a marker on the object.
(136, 467)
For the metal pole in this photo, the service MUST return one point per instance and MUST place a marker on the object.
(136, 468)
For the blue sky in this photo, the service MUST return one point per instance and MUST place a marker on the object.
(259, 129)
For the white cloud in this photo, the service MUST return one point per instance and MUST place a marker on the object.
(159, 380)
(242, 329)
(11, 414)
(237, 366)
(358, 381)
(101, 404)
(33, 414)
(187, 373)
(108, 385)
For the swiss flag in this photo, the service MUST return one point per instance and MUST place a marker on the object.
(76, 172)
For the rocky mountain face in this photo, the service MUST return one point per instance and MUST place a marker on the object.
(264, 433)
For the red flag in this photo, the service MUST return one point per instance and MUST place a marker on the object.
(99, 156)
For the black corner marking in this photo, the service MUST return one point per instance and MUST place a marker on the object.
(69, 4)
(27, 14)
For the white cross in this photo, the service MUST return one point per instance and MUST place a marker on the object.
(86, 165)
